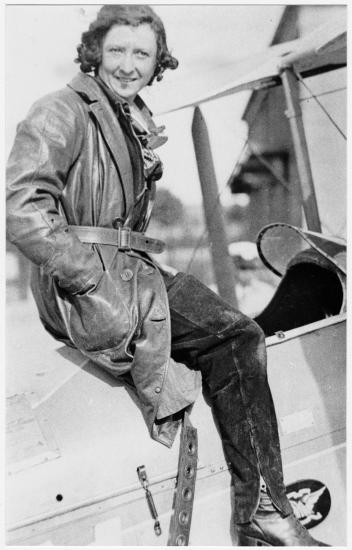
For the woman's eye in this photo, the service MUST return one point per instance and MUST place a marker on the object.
(115, 50)
(143, 54)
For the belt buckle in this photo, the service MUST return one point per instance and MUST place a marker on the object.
(124, 238)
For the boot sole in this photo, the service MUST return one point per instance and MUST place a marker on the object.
(244, 540)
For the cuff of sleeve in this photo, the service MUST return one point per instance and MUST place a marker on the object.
(75, 270)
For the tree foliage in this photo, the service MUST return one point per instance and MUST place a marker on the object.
(168, 209)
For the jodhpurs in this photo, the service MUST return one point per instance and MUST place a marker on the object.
(229, 350)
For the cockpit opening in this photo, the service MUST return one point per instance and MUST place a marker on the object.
(308, 292)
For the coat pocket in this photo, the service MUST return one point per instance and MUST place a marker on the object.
(99, 318)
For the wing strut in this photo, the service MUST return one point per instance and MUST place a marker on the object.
(294, 114)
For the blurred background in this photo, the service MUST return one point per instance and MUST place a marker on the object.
(252, 149)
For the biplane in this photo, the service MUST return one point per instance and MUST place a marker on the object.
(75, 437)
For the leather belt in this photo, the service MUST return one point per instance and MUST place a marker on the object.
(180, 523)
(123, 238)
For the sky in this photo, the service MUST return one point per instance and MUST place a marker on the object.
(40, 45)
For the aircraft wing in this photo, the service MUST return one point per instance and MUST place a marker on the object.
(321, 50)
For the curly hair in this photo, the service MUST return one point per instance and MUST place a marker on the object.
(90, 49)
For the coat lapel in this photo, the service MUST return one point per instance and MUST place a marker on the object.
(111, 130)
(116, 142)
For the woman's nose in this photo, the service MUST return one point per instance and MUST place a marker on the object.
(126, 63)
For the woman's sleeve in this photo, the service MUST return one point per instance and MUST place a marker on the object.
(47, 144)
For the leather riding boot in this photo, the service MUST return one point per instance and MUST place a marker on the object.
(234, 376)
(269, 528)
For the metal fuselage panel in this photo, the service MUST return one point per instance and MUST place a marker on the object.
(89, 488)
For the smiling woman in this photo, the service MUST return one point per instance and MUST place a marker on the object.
(80, 189)
(128, 59)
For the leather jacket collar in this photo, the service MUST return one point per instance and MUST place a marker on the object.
(92, 91)
(88, 86)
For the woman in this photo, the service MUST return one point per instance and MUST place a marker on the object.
(81, 180)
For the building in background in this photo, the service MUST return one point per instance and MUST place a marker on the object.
(267, 173)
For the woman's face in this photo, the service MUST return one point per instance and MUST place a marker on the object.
(128, 59)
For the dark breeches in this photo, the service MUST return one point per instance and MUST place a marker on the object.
(229, 350)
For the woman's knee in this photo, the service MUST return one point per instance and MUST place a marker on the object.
(240, 326)
(255, 332)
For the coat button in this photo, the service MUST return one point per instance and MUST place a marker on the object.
(127, 275)
(157, 389)
(148, 270)
(117, 222)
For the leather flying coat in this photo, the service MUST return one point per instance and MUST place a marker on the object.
(70, 165)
